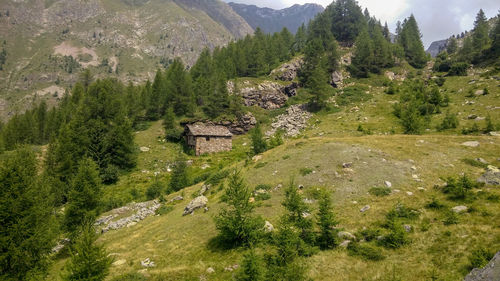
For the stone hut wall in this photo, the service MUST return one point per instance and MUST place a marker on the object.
(213, 144)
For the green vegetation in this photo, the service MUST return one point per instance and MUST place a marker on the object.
(380, 191)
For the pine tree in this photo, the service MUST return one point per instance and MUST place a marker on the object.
(480, 38)
(84, 197)
(363, 56)
(318, 85)
(180, 177)
(259, 144)
(494, 51)
(28, 227)
(327, 238)
(172, 130)
(180, 91)
(88, 261)
(296, 213)
(300, 39)
(251, 267)
(157, 98)
(410, 39)
(347, 20)
(387, 33)
(218, 100)
(452, 45)
(237, 225)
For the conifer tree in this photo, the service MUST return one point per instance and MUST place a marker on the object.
(480, 38)
(296, 213)
(318, 85)
(28, 229)
(347, 20)
(387, 33)
(180, 91)
(363, 57)
(157, 98)
(218, 100)
(300, 39)
(180, 177)
(251, 267)
(84, 196)
(327, 238)
(452, 45)
(88, 261)
(494, 51)
(411, 41)
(259, 144)
(237, 225)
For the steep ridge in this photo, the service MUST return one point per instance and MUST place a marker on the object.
(270, 20)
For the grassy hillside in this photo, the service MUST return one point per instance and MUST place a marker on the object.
(183, 248)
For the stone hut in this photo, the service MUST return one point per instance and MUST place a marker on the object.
(204, 138)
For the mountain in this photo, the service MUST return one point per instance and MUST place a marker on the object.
(270, 20)
(437, 47)
(49, 42)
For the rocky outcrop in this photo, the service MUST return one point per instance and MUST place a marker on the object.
(197, 203)
(288, 71)
(336, 79)
(136, 211)
(268, 95)
(491, 177)
(292, 122)
(241, 126)
(491, 272)
(437, 47)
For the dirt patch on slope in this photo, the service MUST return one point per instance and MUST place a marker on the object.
(66, 49)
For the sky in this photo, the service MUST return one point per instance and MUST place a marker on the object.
(437, 19)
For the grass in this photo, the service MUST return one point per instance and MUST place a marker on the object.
(180, 246)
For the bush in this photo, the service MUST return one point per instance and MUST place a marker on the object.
(217, 177)
(435, 204)
(259, 144)
(440, 81)
(459, 188)
(479, 258)
(396, 238)
(450, 121)
(353, 94)
(276, 139)
(305, 171)
(365, 251)
(474, 163)
(458, 69)
(370, 234)
(154, 190)
(451, 218)
(266, 187)
(400, 211)
(392, 89)
(471, 131)
(380, 191)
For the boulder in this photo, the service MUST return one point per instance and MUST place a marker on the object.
(491, 272)
(210, 270)
(336, 79)
(288, 71)
(204, 188)
(365, 208)
(388, 184)
(268, 227)
(491, 177)
(346, 235)
(471, 143)
(347, 165)
(345, 243)
(459, 209)
(176, 198)
(197, 203)
(144, 149)
(148, 263)
(479, 93)
(267, 95)
(237, 127)
(407, 227)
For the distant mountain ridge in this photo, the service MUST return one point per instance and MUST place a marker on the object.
(270, 20)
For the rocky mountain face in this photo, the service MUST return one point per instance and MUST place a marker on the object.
(437, 47)
(270, 20)
(48, 43)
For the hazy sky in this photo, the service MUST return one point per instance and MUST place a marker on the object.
(437, 19)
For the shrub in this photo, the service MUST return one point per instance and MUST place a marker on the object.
(130, 277)
(459, 188)
(276, 139)
(440, 81)
(251, 268)
(365, 251)
(396, 238)
(305, 171)
(479, 258)
(489, 125)
(474, 163)
(109, 175)
(450, 121)
(266, 187)
(370, 234)
(400, 211)
(471, 131)
(380, 191)
(451, 218)
(458, 69)
(353, 94)
(154, 190)
(259, 145)
(392, 89)
(164, 209)
(435, 204)
(217, 177)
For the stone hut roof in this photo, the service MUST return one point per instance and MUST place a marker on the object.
(205, 130)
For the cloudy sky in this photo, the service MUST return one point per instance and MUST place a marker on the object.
(437, 19)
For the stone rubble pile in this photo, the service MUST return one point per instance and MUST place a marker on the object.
(142, 211)
(292, 122)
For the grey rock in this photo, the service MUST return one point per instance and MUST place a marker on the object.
(479, 93)
(346, 235)
(60, 245)
(197, 203)
(288, 71)
(336, 79)
(472, 117)
(268, 227)
(176, 198)
(388, 184)
(407, 227)
(345, 243)
(204, 189)
(491, 272)
(491, 177)
(365, 208)
(347, 165)
(141, 211)
(148, 263)
(471, 143)
(459, 209)
(210, 270)
(481, 160)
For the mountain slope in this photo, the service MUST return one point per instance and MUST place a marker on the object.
(48, 43)
(270, 20)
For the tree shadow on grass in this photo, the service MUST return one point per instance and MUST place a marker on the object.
(217, 244)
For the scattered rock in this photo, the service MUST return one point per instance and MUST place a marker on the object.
(268, 227)
(309, 201)
(176, 198)
(131, 224)
(306, 214)
(479, 93)
(141, 211)
(267, 95)
(256, 158)
(210, 270)
(407, 227)
(119, 262)
(388, 184)
(347, 165)
(292, 122)
(60, 245)
(365, 208)
(346, 235)
(204, 188)
(421, 188)
(345, 243)
(205, 166)
(336, 79)
(490, 272)
(471, 143)
(481, 160)
(409, 193)
(396, 190)
(144, 149)
(472, 117)
(491, 177)
(148, 263)
(459, 209)
(495, 134)
(197, 203)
